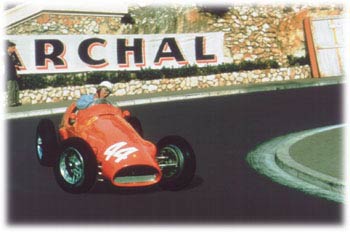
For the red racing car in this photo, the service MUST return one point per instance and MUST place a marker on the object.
(103, 142)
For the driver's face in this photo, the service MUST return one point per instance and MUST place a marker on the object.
(104, 93)
(11, 49)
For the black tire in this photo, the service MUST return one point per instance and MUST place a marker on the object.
(46, 143)
(178, 163)
(136, 124)
(76, 167)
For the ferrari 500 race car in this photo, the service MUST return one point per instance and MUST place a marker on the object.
(103, 142)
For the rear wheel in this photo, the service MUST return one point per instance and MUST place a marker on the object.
(177, 160)
(76, 168)
(46, 143)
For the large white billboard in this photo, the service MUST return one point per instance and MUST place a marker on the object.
(81, 53)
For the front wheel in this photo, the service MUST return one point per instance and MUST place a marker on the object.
(178, 163)
(76, 168)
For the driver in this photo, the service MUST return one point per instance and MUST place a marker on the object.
(104, 89)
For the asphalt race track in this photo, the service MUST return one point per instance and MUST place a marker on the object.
(226, 190)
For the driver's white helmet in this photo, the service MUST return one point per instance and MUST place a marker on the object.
(107, 85)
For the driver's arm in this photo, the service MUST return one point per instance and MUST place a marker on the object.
(85, 101)
(98, 101)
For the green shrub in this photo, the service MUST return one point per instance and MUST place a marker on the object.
(296, 61)
(273, 64)
(59, 80)
(149, 74)
(223, 68)
(33, 82)
(39, 81)
(94, 78)
(185, 71)
(249, 65)
(122, 76)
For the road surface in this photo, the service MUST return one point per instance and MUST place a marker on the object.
(222, 131)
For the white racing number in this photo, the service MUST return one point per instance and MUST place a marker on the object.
(119, 151)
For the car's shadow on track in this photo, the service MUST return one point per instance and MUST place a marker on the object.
(107, 188)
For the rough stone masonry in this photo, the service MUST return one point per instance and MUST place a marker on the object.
(251, 32)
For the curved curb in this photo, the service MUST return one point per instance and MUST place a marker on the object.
(289, 165)
(263, 160)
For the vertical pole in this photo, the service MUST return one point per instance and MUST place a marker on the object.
(311, 48)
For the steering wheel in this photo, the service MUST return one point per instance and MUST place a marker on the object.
(101, 101)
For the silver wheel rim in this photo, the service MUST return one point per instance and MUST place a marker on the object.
(171, 161)
(39, 148)
(71, 166)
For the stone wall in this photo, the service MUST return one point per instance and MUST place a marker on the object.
(251, 31)
(136, 87)
(67, 24)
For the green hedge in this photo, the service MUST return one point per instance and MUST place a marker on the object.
(39, 81)
(296, 61)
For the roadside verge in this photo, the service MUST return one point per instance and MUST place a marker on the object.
(285, 161)
(263, 159)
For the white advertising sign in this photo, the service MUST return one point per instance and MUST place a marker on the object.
(80, 53)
